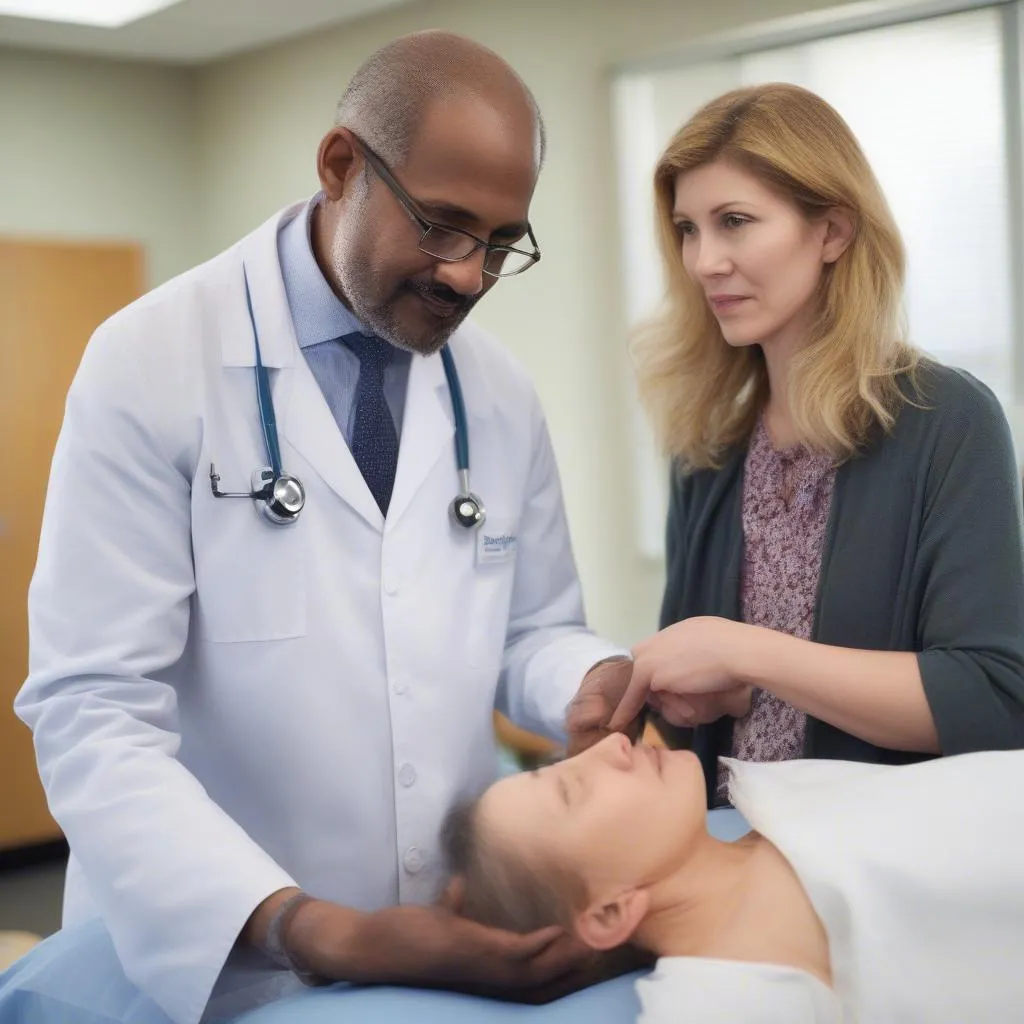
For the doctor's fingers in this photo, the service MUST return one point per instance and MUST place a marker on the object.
(560, 957)
(588, 711)
(501, 943)
(634, 698)
(517, 946)
(511, 960)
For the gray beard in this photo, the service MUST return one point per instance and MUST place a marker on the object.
(358, 280)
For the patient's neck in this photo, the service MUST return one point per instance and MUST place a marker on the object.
(696, 903)
(736, 901)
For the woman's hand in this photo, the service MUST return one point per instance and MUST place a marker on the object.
(703, 708)
(877, 696)
(694, 660)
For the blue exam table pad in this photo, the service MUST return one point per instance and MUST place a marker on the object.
(74, 977)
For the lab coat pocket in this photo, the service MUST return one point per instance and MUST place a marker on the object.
(250, 578)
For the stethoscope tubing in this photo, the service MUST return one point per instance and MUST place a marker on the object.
(466, 509)
(458, 411)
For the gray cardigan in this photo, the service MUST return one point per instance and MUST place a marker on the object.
(923, 552)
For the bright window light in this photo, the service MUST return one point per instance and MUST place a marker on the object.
(104, 13)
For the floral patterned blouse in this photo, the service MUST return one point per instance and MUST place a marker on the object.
(787, 495)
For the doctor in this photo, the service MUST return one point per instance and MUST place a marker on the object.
(250, 722)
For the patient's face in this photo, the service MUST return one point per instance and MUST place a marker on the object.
(623, 817)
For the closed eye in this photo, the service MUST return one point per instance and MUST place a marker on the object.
(560, 784)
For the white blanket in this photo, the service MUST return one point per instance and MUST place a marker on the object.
(918, 876)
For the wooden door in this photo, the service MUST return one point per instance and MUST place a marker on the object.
(52, 297)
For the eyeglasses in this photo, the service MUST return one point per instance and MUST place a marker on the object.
(453, 244)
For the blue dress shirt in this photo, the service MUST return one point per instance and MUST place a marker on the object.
(321, 319)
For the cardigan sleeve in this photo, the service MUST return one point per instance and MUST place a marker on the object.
(972, 614)
(675, 549)
(674, 597)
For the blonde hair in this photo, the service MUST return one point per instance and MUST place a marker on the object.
(704, 396)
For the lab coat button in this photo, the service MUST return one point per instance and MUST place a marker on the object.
(413, 860)
(400, 686)
(391, 582)
(407, 775)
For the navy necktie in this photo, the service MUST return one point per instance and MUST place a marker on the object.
(374, 439)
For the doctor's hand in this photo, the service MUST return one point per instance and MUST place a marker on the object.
(589, 713)
(428, 947)
(690, 672)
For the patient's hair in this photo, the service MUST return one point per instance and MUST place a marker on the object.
(504, 889)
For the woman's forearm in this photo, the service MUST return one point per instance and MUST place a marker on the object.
(875, 695)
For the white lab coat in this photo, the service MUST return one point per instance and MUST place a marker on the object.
(222, 708)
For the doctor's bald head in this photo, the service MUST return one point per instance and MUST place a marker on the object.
(389, 96)
(427, 178)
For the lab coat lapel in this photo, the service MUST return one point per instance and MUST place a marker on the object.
(428, 432)
(311, 430)
(256, 260)
(304, 418)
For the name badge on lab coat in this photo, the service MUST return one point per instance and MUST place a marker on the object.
(495, 542)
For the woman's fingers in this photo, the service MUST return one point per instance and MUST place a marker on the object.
(678, 711)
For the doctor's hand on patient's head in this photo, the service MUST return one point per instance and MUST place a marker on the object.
(590, 967)
(433, 947)
(589, 713)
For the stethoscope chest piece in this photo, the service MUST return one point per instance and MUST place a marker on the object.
(468, 510)
(281, 498)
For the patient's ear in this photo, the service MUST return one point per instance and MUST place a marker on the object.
(612, 923)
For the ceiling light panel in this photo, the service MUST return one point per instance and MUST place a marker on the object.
(101, 13)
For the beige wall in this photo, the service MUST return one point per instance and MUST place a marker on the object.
(102, 150)
(262, 115)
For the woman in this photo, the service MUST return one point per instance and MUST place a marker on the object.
(867, 893)
(845, 576)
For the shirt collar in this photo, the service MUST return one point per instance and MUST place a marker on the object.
(317, 313)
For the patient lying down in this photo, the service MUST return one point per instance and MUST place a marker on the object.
(865, 893)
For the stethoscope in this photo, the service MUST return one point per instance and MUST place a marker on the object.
(280, 497)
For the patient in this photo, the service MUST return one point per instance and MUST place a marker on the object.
(865, 893)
